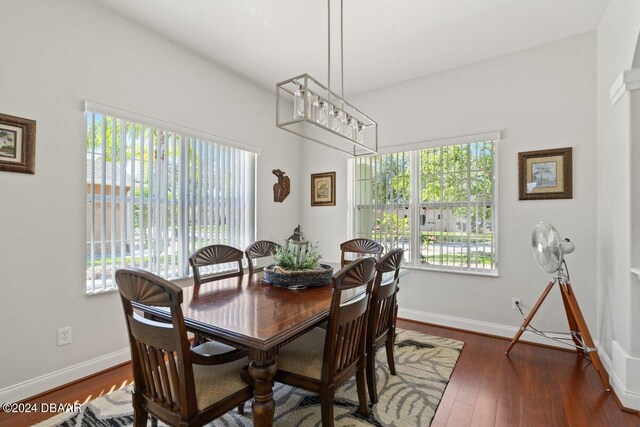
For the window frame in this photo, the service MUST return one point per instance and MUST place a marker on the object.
(415, 200)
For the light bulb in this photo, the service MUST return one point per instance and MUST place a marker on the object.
(342, 117)
(360, 133)
(320, 111)
(309, 104)
(352, 128)
(334, 119)
(347, 129)
(343, 122)
(299, 101)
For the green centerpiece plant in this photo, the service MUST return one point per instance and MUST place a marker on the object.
(288, 260)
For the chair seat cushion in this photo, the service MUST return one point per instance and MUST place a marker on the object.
(211, 348)
(217, 382)
(304, 355)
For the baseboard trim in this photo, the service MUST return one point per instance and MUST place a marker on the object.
(629, 400)
(613, 379)
(48, 382)
(477, 326)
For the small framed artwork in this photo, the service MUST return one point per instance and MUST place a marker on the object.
(323, 189)
(17, 144)
(545, 174)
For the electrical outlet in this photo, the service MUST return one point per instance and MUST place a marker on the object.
(64, 336)
(515, 302)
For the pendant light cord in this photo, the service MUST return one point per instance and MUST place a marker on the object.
(341, 49)
(329, 44)
(341, 46)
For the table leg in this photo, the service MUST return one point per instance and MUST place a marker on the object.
(262, 369)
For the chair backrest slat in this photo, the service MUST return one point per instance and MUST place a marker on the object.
(162, 358)
(144, 361)
(173, 373)
(384, 310)
(348, 343)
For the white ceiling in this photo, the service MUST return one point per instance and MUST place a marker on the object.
(385, 41)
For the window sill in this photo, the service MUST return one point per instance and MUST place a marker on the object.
(182, 281)
(101, 291)
(447, 270)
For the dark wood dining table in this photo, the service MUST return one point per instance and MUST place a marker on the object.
(246, 313)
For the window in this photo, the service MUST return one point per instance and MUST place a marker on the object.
(155, 195)
(438, 204)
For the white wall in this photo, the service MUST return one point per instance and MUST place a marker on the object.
(539, 98)
(618, 206)
(55, 55)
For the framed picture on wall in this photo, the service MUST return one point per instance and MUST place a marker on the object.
(545, 174)
(323, 189)
(17, 144)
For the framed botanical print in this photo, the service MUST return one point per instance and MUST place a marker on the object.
(17, 144)
(323, 189)
(545, 174)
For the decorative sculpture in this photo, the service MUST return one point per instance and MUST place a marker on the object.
(282, 188)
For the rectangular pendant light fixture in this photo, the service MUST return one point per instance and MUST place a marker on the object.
(307, 108)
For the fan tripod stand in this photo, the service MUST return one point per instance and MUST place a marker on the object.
(579, 330)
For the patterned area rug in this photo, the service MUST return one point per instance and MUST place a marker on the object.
(424, 365)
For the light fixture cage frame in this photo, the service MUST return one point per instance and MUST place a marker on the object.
(306, 127)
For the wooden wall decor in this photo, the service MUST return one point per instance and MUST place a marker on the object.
(282, 188)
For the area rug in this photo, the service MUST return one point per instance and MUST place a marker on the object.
(424, 365)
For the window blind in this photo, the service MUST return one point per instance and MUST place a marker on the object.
(155, 195)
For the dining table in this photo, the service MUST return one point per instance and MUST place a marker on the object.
(247, 313)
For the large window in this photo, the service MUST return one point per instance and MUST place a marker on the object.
(155, 195)
(436, 203)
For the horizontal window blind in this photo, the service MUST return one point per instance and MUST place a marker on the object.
(154, 196)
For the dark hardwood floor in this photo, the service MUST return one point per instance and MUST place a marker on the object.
(78, 392)
(534, 386)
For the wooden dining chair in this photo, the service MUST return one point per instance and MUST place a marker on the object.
(359, 247)
(174, 383)
(322, 360)
(214, 255)
(259, 249)
(381, 327)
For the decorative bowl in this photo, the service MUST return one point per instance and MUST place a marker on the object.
(300, 279)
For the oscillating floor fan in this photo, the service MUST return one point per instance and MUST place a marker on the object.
(548, 251)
